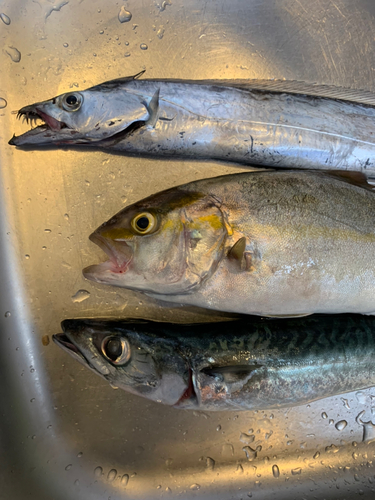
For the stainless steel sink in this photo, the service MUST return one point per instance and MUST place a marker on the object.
(64, 433)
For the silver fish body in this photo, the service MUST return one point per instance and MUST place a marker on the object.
(242, 365)
(231, 121)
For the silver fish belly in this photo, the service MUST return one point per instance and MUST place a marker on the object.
(225, 120)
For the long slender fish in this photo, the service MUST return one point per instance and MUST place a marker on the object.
(280, 124)
(241, 365)
(271, 243)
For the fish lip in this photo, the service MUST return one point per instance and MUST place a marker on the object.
(120, 254)
(63, 341)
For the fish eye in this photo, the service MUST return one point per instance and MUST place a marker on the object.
(144, 223)
(116, 350)
(72, 102)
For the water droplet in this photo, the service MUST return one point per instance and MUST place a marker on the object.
(239, 469)
(168, 489)
(361, 397)
(101, 32)
(7, 314)
(68, 467)
(210, 463)
(76, 482)
(340, 426)
(13, 53)
(111, 476)
(195, 486)
(124, 15)
(144, 46)
(47, 230)
(3, 103)
(296, 471)
(324, 415)
(33, 437)
(5, 19)
(127, 54)
(32, 400)
(368, 428)
(125, 480)
(268, 434)
(66, 216)
(345, 402)
(98, 471)
(332, 449)
(27, 256)
(65, 45)
(80, 296)
(316, 455)
(160, 32)
(218, 428)
(331, 421)
(79, 454)
(227, 450)
(250, 453)
(275, 471)
(247, 438)
(164, 5)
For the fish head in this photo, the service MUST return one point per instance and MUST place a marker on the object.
(166, 244)
(128, 359)
(109, 111)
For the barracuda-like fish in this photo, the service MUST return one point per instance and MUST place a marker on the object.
(281, 124)
(241, 365)
(271, 243)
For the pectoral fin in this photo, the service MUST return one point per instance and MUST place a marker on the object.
(238, 253)
(153, 109)
(217, 383)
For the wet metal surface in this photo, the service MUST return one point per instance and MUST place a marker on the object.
(64, 433)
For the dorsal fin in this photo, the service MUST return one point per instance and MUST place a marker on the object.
(356, 178)
(117, 81)
(357, 96)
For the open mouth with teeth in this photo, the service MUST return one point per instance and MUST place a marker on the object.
(47, 132)
(35, 114)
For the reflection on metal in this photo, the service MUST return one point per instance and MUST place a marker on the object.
(76, 418)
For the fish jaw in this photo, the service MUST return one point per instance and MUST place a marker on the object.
(52, 131)
(109, 272)
(80, 350)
